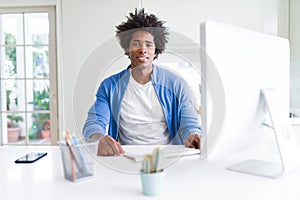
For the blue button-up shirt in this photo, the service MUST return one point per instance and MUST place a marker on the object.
(173, 92)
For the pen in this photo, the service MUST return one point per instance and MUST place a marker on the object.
(79, 152)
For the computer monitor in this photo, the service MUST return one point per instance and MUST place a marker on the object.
(245, 99)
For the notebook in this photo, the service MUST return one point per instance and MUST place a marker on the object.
(167, 152)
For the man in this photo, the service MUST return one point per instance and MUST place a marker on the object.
(143, 104)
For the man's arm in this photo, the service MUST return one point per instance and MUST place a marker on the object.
(107, 146)
(93, 125)
(190, 127)
(96, 123)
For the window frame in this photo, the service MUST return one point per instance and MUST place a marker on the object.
(51, 10)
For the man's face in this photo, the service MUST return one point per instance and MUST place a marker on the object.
(141, 49)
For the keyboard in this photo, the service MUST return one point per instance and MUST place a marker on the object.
(167, 152)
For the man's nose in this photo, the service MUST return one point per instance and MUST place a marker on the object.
(142, 48)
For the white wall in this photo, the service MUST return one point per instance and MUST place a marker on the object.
(185, 16)
(85, 26)
(295, 53)
(88, 29)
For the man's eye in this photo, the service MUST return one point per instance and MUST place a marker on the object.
(150, 45)
(135, 44)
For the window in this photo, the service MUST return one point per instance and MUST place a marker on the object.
(28, 76)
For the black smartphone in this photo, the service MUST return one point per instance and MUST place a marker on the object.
(30, 157)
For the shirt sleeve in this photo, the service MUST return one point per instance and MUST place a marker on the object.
(189, 118)
(98, 115)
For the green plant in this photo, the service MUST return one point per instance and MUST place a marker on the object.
(14, 120)
(10, 51)
(41, 99)
(200, 88)
(8, 92)
(41, 120)
(150, 162)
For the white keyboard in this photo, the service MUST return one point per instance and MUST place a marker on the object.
(170, 151)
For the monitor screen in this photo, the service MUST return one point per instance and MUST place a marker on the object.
(236, 65)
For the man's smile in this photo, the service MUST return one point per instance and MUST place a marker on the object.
(142, 58)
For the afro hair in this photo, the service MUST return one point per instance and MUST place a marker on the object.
(141, 21)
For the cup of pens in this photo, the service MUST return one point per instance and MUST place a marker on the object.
(78, 158)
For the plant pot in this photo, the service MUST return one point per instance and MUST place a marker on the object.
(152, 183)
(13, 134)
(45, 133)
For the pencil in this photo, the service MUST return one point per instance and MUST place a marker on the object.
(71, 156)
(79, 163)
(73, 167)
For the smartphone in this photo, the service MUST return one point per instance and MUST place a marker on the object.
(31, 157)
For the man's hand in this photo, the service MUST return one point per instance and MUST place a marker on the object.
(108, 146)
(193, 141)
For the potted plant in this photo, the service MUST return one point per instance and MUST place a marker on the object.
(13, 129)
(152, 176)
(45, 132)
(40, 127)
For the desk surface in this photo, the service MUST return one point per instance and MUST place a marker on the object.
(116, 178)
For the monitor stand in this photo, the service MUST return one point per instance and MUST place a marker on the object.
(285, 139)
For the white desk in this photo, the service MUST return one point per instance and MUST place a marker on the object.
(189, 177)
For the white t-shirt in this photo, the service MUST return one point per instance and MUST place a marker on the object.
(142, 119)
